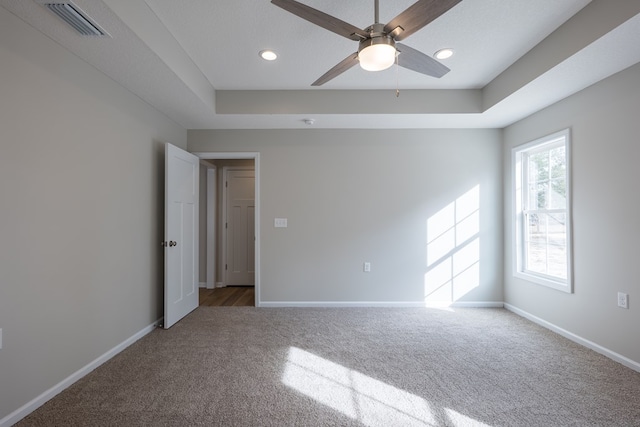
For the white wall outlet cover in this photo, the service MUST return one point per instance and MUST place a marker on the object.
(623, 300)
(280, 223)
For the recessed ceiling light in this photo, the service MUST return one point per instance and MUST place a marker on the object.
(268, 55)
(444, 53)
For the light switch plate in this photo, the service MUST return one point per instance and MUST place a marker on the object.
(280, 223)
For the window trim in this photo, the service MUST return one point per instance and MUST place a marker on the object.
(518, 213)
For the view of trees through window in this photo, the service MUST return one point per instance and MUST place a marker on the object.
(543, 208)
(546, 239)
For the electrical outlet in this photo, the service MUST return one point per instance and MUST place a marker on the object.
(366, 267)
(623, 300)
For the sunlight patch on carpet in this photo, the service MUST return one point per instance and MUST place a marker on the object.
(457, 419)
(358, 396)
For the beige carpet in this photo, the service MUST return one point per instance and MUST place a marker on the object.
(237, 366)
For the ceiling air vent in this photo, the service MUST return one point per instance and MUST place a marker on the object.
(74, 16)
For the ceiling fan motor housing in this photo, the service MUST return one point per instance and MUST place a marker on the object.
(377, 52)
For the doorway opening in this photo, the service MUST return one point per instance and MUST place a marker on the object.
(230, 247)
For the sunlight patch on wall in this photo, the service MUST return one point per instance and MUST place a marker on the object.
(453, 249)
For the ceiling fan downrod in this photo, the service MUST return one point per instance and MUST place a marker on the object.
(376, 12)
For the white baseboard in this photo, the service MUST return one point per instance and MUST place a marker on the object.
(219, 285)
(575, 338)
(465, 304)
(400, 304)
(202, 284)
(31, 406)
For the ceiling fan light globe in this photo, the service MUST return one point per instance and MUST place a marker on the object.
(377, 57)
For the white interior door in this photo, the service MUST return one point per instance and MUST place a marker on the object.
(180, 234)
(240, 228)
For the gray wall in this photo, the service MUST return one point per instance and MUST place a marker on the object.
(355, 195)
(604, 124)
(81, 181)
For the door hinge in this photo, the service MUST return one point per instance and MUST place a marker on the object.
(226, 183)
(225, 266)
(226, 225)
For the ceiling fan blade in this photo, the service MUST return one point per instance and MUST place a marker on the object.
(417, 16)
(343, 66)
(418, 61)
(322, 19)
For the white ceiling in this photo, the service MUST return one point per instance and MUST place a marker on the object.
(197, 60)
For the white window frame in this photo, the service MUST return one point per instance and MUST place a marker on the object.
(518, 192)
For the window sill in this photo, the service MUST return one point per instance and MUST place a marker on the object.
(554, 284)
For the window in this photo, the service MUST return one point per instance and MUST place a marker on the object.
(542, 211)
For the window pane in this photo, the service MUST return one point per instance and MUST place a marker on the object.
(538, 166)
(547, 260)
(538, 195)
(557, 230)
(558, 177)
(537, 258)
(532, 197)
(542, 191)
(557, 261)
(537, 230)
(558, 162)
(546, 242)
(557, 195)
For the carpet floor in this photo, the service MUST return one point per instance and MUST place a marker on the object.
(247, 366)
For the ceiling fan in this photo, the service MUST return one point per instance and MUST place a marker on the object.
(378, 47)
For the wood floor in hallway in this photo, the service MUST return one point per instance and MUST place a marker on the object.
(237, 296)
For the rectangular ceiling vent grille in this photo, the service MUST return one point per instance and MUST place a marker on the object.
(74, 16)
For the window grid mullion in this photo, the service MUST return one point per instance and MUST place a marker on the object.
(543, 211)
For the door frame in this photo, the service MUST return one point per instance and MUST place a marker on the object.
(256, 158)
(223, 217)
(210, 261)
